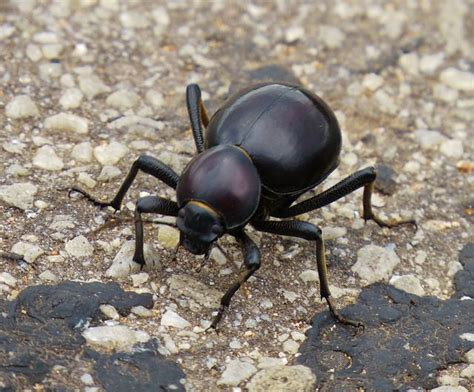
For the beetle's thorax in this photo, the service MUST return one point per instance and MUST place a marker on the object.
(224, 179)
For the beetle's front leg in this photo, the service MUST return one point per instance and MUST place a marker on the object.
(149, 204)
(145, 163)
(251, 264)
(309, 232)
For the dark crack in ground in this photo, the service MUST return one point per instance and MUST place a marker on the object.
(39, 334)
(406, 341)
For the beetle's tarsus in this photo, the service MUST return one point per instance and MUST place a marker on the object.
(342, 319)
(391, 223)
(93, 200)
(217, 318)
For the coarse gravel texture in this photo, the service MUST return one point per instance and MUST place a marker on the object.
(87, 86)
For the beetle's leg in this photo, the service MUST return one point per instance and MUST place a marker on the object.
(362, 178)
(251, 264)
(197, 114)
(144, 163)
(309, 232)
(149, 204)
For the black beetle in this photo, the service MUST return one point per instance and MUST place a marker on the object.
(264, 148)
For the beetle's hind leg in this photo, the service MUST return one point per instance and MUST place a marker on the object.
(252, 263)
(362, 178)
(145, 163)
(197, 114)
(309, 232)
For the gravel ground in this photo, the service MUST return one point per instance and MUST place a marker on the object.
(87, 86)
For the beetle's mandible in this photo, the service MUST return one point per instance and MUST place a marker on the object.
(264, 148)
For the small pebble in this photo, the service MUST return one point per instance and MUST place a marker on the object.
(20, 195)
(452, 148)
(114, 337)
(408, 283)
(173, 319)
(67, 122)
(47, 159)
(141, 311)
(82, 152)
(30, 252)
(235, 372)
(86, 179)
(123, 264)
(92, 86)
(108, 173)
(309, 276)
(123, 100)
(48, 276)
(331, 36)
(283, 378)
(139, 279)
(110, 154)
(155, 99)
(430, 63)
(71, 98)
(429, 139)
(294, 34)
(290, 346)
(372, 81)
(33, 52)
(20, 107)
(87, 379)
(79, 247)
(459, 80)
(7, 279)
(468, 372)
(168, 236)
(109, 311)
(375, 263)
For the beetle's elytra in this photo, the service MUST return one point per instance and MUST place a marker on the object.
(265, 147)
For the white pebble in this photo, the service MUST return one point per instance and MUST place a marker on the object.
(79, 247)
(20, 195)
(123, 265)
(110, 154)
(48, 276)
(141, 311)
(45, 37)
(309, 276)
(385, 102)
(294, 34)
(429, 139)
(429, 63)
(92, 86)
(82, 152)
(452, 148)
(168, 236)
(155, 99)
(86, 179)
(235, 372)
(87, 379)
(173, 319)
(409, 283)
(48, 71)
(47, 159)
(331, 36)
(33, 52)
(123, 99)
(372, 81)
(109, 311)
(108, 172)
(52, 51)
(7, 279)
(375, 263)
(6, 30)
(71, 98)
(21, 106)
(409, 63)
(444, 93)
(114, 337)
(67, 122)
(331, 233)
(459, 80)
(139, 279)
(290, 346)
(30, 252)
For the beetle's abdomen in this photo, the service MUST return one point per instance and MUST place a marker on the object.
(292, 135)
(225, 179)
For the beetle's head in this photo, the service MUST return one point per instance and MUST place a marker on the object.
(200, 226)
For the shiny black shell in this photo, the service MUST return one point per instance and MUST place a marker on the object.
(291, 135)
